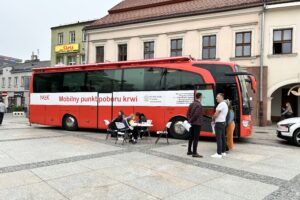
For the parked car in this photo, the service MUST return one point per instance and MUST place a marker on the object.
(289, 129)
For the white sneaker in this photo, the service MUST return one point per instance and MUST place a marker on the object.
(224, 154)
(216, 156)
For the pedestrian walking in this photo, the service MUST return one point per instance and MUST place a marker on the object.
(230, 126)
(220, 122)
(2, 110)
(195, 118)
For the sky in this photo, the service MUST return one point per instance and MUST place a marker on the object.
(25, 24)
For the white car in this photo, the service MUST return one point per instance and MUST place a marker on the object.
(289, 129)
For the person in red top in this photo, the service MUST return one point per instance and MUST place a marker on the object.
(195, 118)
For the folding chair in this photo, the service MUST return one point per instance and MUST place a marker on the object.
(109, 130)
(143, 131)
(164, 132)
(122, 132)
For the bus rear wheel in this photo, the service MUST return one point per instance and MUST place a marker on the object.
(177, 130)
(70, 123)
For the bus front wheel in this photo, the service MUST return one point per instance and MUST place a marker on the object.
(177, 130)
(70, 123)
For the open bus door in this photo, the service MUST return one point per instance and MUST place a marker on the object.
(250, 79)
(208, 106)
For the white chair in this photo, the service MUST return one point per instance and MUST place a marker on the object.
(164, 132)
(109, 130)
(122, 132)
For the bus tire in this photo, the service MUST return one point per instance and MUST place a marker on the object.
(70, 123)
(176, 130)
(296, 138)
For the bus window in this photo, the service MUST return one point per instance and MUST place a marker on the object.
(47, 83)
(154, 79)
(133, 79)
(179, 80)
(173, 79)
(74, 82)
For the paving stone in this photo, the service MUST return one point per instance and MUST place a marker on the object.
(104, 162)
(160, 186)
(115, 192)
(14, 179)
(241, 187)
(74, 185)
(201, 192)
(39, 191)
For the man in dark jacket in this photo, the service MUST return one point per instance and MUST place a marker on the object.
(195, 118)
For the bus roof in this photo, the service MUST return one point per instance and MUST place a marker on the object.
(129, 63)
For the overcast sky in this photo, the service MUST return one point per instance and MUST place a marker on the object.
(25, 24)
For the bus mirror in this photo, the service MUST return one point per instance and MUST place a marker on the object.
(253, 83)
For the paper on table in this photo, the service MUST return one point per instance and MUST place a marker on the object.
(213, 128)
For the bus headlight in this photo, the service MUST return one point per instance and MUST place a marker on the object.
(246, 123)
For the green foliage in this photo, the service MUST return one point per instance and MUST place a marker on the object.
(18, 108)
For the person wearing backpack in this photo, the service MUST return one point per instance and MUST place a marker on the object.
(230, 126)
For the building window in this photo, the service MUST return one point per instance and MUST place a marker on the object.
(22, 81)
(176, 47)
(26, 82)
(16, 82)
(83, 61)
(282, 41)
(148, 50)
(71, 60)
(9, 82)
(59, 60)
(243, 44)
(60, 38)
(72, 37)
(84, 36)
(209, 47)
(100, 54)
(122, 52)
(3, 82)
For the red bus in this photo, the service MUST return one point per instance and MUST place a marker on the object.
(83, 96)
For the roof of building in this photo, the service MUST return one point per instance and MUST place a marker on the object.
(136, 11)
(79, 23)
(5, 60)
(27, 66)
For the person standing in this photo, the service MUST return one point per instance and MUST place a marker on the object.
(2, 110)
(195, 118)
(230, 127)
(220, 122)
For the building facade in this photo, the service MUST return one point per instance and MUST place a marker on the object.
(68, 44)
(15, 81)
(281, 55)
(227, 31)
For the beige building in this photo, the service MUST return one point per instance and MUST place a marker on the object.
(282, 49)
(206, 30)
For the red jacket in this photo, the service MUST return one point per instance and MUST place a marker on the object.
(194, 113)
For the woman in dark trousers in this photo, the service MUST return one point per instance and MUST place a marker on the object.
(195, 118)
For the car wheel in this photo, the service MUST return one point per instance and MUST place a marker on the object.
(177, 130)
(70, 123)
(296, 137)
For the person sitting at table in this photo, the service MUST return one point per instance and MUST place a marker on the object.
(141, 119)
(120, 118)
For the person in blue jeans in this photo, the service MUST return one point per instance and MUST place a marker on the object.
(220, 126)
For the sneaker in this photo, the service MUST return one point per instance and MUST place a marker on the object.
(224, 154)
(197, 156)
(189, 153)
(216, 155)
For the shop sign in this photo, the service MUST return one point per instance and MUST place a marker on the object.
(18, 94)
(67, 48)
(4, 94)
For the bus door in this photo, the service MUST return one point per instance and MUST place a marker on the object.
(208, 106)
(105, 109)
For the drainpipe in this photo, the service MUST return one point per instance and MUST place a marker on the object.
(261, 71)
(86, 48)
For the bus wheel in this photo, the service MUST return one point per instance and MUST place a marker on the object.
(297, 137)
(177, 130)
(70, 123)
